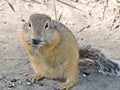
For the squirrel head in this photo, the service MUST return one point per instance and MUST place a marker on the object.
(40, 32)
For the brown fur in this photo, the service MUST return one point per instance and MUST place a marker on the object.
(53, 52)
(57, 58)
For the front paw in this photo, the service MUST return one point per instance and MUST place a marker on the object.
(34, 78)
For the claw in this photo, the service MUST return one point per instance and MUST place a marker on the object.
(61, 87)
(34, 78)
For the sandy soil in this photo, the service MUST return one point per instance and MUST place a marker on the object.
(93, 22)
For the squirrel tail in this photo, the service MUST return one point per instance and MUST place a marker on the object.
(107, 65)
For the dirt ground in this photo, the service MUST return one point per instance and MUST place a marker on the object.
(95, 22)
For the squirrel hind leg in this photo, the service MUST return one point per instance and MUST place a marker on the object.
(61, 86)
(64, 86)
(70, 81)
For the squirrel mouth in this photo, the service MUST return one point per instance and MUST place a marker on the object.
(36, 43)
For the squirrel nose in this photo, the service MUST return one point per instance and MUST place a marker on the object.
(34, 41)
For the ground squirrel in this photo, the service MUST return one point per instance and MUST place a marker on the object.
(54, 53)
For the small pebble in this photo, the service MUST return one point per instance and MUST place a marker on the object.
(23, 20)
(26, 74)
(11, 85)
(5, 22)
(81, 39)
(14, 80)
(86, 74)
(117, 26)
(29, 83)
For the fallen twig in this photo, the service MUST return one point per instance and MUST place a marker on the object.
(114, 19)
(11, 6)
(84, 28)
(105, 7)
(32, 1)
(68, 5)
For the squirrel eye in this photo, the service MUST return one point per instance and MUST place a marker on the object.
(29, 25)
(46, 26)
